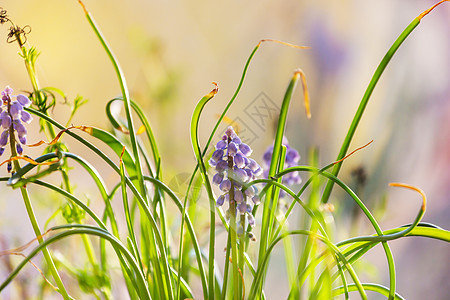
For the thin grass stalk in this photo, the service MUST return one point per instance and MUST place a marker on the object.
(76, 229)
(212, 203)
(34, 223)
(140, 199)
(365, 100)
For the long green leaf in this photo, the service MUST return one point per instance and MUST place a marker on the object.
(212, 203)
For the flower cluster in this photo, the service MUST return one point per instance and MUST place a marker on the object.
(234, 168)
(12, 115)
(292, 158)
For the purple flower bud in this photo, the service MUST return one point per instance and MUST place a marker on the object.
(218, 178)
(9, 167)
(232, 149)
(15, 109)
(217, 155)
(20, 128)
(236, 140)
(4, 138)
(2, 149)
(7, 91)
(292, 156)
(230, 132)
(221, 166)
(253, 165)
(241, 175)
(23, 140)
(258, 171)
(25, 117)
(238, 197)
(220, 200)
(245, 149)
(239, 160)
(242, 207)
(250, 191)
(221, 144)
(225, 186)
(251, 220)
(256, 200)
(23, 100)
(19, 149)
(6, 120)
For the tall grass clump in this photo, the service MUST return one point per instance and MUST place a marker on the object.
(160, 255)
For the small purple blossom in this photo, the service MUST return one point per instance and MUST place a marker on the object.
(234, 169)
(19, 149)
(6, 120)
(291, 160)
(13, 114)
(217, 179)
(218, 154)
(225, 186)
(4, 138)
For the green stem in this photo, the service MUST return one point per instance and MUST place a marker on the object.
(35, 225)
(362, 106)
(233, 241)
(29, 64)
(241, 257)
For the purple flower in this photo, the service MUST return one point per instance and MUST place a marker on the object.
(221, 166)
(217, 179)
(291, 160)
(242, 208)
(225, 186)
(218, 154)
(23, 100)
(239, 160)
(6, 120)
(19, 149)
(243, 170)
(245, 149)
(13, 114)
(221, 145)
(238, 196)
(4, 138)
(220, 200)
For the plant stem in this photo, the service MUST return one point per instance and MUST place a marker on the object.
(35, 225)
(29, 64)
(233, 238)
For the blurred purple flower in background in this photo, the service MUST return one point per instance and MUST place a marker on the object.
(292, 158)
(13, 114)
(233, 167)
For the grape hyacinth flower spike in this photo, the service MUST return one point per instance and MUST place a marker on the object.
(233, 169)
(12, 117)
(292, 158)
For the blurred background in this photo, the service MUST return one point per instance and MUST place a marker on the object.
(171, 52)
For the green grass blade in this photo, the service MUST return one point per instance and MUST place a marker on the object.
(76, 229)
(212, 202)
(368, 287)
(365, 100)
